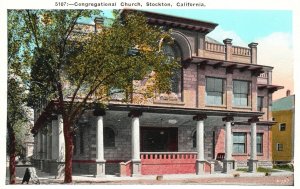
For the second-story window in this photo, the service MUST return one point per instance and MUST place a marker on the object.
(214, 91)
(241, 93)
(260, 102)
(173, 53)
(282, 126)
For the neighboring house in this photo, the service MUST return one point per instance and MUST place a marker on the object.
(217, 117)
(283, 111)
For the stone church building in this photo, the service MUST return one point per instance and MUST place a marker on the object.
(217, 117)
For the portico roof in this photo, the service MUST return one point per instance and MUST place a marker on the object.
(50, 110)
(182, 111)
(228, 64)
(271, 88)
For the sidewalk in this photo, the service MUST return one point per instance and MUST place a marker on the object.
(276, 178)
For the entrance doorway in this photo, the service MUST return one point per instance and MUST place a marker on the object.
(159, 139)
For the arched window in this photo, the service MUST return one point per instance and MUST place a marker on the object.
(109, 137)
(174, 53)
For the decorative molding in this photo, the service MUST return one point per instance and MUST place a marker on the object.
(135, 113)
(228, 119)
(253, 120)
(200, 117)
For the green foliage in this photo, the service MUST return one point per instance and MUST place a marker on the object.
(264, 170)
(106, 63)
(242, 169)
(287, 167)
(18, 58)
(78, 70)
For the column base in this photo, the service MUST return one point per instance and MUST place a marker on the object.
(200, 167)
(100, 168)
(136, 168)
(252, 165)
(228, 166)
(59, 170)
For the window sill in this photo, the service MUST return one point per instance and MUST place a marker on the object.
(242, 107)
(180, 103)
(109, 148)
(215, 106)
(239, 154)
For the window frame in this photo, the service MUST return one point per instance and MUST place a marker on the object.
(239, 143)
(261, 144)
(261, 100)
(173, 52)
(81, 140)
(279, 147)
(220, 94)
(107, 144)
(281, 128)
(240, 94)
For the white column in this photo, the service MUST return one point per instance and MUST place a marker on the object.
(54, 138)
(44, 146)
(200, 140)
(100, 161)
(135, 138)
(61, 139)
(39, 144)
(253, 142)
(49, 142)
(228, 141)
(99, 139)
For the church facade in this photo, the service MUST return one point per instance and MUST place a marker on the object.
(217, 117)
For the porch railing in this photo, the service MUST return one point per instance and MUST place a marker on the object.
(154, 163)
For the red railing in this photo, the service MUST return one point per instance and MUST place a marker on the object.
(154, 163)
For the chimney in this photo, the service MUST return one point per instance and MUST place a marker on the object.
(98, 23)
(288, 92)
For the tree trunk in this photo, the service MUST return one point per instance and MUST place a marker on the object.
(68, 152)
(12, 156)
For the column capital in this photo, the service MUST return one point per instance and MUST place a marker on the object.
(228, 118)
(227, 41)
(253, 120)
(200, 117)
(252, 45)
(99, 112)
(54, 117)
(135, 113)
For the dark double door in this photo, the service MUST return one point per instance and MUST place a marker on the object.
(159, 139)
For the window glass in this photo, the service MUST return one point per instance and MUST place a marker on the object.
(81, 141)
(109, 137)
(172, 53)
(260, 103)
(279, 147)
(239, 143)
(259, 143)
(214, 91)
(282, 126)
(240, 93)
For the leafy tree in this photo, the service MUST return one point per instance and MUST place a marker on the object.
(81, 70)
(17, 113)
